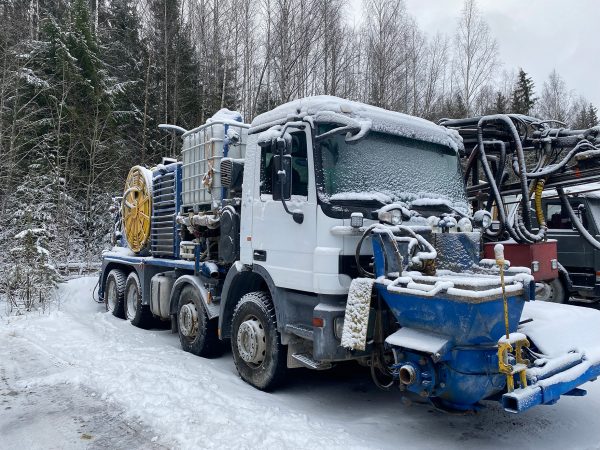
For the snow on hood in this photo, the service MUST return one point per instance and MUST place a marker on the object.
(375, 118)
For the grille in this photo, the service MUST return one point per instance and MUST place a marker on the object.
(164, 210)
(226, 167)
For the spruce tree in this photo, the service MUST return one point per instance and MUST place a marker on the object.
(126, 60)
(522, 98)
(581, 118)
(586, 116)
(592, 116)
(30, 232)
(500, 104)
(174, 94)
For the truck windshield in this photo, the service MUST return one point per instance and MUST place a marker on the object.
(386, 168)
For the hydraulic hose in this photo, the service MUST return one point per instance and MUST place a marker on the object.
(494, 186)
(520, 159)
(575, 220)
(377, 356)
(365, 235)
(539, 212)
(500, 173)
(581, 146)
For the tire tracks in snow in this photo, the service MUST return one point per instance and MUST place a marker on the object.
(195, 401)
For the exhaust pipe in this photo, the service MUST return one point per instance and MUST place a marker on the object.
(210, 270)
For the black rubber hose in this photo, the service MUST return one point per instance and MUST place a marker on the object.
(575, 220)
(362, 271)
(581, 146)
(494, 186)
(500, 173)
(520, 158)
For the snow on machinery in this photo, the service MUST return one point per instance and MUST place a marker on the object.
(511, 162)
(328, 231)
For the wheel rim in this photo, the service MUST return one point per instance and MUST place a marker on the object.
(188, 320)
(545, 292)
(132, 296)
(111, 296)
(251, 341)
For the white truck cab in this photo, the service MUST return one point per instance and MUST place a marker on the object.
(345, 157)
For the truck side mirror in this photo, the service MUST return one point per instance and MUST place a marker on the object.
(281, 146)
(282, 177)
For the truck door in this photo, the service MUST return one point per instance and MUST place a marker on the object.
(279, 244)
(574, 253)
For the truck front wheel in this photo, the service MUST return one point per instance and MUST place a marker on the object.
(138, 314)
(197, 333)
(258, 354)
(114, 292)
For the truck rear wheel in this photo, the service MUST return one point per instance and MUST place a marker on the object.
(114, 292)
(138, 314)
(551, 291)
(258, 354)
(197, 333)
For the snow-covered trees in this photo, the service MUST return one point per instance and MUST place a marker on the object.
(586, 115)
(84, 84)
(30, 234)
(29, 278)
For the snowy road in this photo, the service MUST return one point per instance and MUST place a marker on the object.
(82, 378)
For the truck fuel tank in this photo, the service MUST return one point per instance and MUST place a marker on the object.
(160, 294)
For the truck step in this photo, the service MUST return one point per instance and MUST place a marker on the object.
(300, 330)
(307, 361)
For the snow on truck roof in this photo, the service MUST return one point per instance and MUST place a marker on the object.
(588, 190)
(325, 108)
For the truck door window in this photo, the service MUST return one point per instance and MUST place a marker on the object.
(299, 166)
(558, 218)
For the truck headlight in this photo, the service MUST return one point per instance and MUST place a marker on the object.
(391, 216)
(482, 219)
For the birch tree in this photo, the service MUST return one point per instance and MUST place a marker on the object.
(476, 54)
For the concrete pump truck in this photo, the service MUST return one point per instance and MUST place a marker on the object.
(326, 231)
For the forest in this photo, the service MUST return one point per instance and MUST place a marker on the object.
(85, 83)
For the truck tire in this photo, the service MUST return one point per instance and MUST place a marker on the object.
(114, 292)
(197, 333)
(259, 356)
(553, 291)
(138, 314)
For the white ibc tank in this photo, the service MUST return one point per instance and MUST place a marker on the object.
(223, 135)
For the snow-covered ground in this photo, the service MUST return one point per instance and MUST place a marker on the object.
(81, 378)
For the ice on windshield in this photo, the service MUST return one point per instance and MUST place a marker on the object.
(389, 169)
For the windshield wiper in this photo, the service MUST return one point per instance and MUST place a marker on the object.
(352, 129)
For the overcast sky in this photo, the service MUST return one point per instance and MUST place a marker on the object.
(538, 35)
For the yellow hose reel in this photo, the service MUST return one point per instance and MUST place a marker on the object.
(136, 208)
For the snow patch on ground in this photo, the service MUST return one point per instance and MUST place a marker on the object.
(142, 377)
